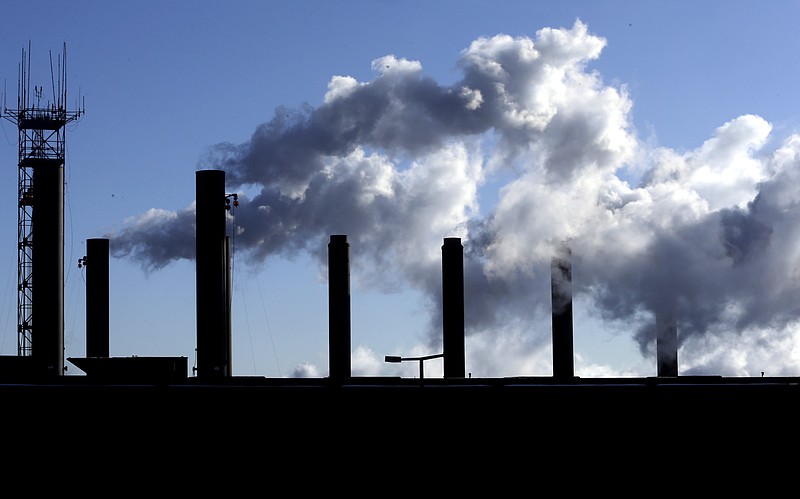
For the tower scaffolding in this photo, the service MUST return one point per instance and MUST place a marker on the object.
(41, 123)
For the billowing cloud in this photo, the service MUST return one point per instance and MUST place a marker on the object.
(399, 162)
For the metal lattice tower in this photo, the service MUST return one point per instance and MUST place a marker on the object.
(42, 139)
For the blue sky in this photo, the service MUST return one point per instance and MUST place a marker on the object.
(642, 132)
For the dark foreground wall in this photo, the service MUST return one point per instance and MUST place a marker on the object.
(372, 410)
(385, 437)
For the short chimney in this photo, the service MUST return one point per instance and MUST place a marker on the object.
(97, 317)
(667, 343)
(561, 303)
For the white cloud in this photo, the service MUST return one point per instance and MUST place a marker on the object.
(397, 163)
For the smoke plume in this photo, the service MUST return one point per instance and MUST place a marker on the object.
(399, 162)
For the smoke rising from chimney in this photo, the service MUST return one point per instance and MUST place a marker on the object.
(399, 162)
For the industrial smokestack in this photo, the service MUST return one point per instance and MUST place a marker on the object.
(339, 308)
(561, 295)
(339, 333)
(213, 343)
(666, 343)
(453, 307)
(97, 317)
(229, 301)
(47, 228)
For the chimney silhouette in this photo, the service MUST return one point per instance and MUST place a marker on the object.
(339, 363)
(561, 296)
(213, 331)
(97, 317)
(666, 343)
(47, 223)
(453, 307)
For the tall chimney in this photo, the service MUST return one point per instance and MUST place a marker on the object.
(339, 308)
(213, 355)
(666, 343)
(453, 307)
(47, 228)
(561, 296)
(97, 318)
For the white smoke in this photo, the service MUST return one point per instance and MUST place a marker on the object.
(398, 163)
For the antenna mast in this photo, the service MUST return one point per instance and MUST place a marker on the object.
(40, 212)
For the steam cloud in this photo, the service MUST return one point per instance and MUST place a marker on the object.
(400, 162)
